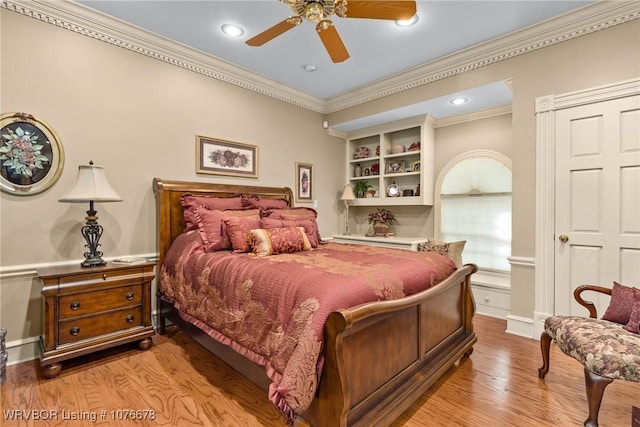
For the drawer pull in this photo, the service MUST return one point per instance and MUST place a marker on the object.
(74, 305)
(130, 318)
(74, 331)
(104, 276)
(129, 296)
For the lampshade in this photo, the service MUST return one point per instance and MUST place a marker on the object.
(347, 193)
(91, 186)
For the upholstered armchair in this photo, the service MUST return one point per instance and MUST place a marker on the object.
(608, 349)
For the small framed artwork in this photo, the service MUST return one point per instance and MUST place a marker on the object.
(221, 157)
(31, 155)
(304, 182)
(415, 166)
(395, 166)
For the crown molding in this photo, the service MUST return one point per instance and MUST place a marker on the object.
(83, 20)
(588, 19)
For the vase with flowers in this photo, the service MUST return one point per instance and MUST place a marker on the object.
(381, 220)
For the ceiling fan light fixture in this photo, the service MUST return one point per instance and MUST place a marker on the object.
(314, 12)
(407, 22)
(232, 30)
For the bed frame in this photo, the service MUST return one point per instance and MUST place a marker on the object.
(380, 357)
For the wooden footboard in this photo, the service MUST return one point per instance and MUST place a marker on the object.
(381, 357)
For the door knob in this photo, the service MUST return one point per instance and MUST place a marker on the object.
(564, 238)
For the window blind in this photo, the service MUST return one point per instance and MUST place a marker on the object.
(484, 221)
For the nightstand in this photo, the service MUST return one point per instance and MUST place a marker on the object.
(94, 308)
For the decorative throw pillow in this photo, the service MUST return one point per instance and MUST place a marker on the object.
(619, 309)
(274, 241)
(634, 318)
(213, 229)
(260, 203)
(239, 229)
(190, 203)
(293, 214)
(307, 224)
(451, 250)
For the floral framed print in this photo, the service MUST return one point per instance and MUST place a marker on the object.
(304, 182)
(220, 157)
(31, 155)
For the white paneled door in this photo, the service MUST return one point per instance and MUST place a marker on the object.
(597, 199)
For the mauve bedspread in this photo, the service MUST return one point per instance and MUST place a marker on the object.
(272, 309)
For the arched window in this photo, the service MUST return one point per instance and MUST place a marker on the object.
(474, 197)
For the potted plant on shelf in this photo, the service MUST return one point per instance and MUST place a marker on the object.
(381, 220)
(360, 187)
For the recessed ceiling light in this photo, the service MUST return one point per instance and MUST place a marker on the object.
(310, 68)
(407, 22)
(459, 100)
(232, 30)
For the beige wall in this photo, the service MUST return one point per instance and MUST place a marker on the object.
(138, 118)
(595, 59)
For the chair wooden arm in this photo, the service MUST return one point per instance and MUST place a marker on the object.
(588, 304)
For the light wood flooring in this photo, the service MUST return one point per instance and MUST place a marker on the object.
(184, 385)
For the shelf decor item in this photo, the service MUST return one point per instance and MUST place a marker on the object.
(381, 220)
(360, 187)
(91, 186)
(361, 153)
(31, 155)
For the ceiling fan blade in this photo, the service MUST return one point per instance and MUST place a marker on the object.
(274, 31)
(332, 42)
(391, 9)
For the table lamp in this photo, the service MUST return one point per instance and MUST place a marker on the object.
(91, 186)
(347, 194)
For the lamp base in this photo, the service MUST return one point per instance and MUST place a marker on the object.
(93, 262)
(92, 231)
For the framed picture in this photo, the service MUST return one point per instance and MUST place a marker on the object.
(31, 155)
(304, 182)
(395, 166)
(220, 157)
(415, 166)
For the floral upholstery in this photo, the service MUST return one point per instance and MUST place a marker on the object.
(604, 348)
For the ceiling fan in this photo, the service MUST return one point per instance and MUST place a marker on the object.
(319, 11)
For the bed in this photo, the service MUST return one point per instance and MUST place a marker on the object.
(376, 358)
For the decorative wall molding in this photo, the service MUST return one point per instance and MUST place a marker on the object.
(82, 20)
(32, 269)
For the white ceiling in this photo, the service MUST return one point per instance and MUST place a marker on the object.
(379, 49)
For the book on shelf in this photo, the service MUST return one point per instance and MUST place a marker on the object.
(129, 261)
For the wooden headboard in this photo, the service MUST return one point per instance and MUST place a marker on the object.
(169, 216)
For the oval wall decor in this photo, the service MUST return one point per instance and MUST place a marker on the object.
(31, 155)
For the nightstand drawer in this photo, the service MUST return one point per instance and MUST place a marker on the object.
(92, 326)
(96, 301)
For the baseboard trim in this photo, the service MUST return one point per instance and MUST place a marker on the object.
(23, 350)
(521, 326)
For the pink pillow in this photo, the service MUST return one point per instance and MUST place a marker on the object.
(239, 230)
(634, 318)
(190, 203)
(276, 241)
(619, 309)
(258, 203)
(307, 224)
(294, 214)
(213, 229)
